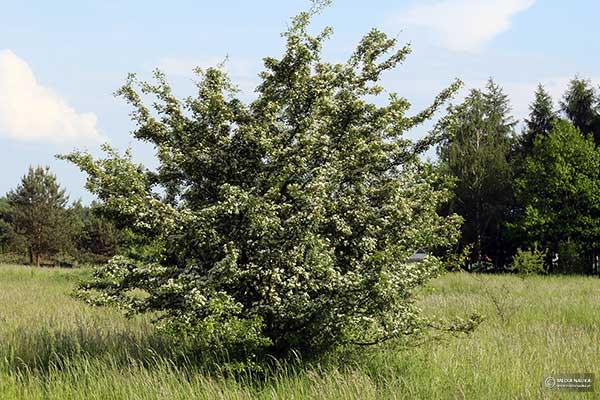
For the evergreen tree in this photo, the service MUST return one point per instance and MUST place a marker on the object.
(476, 152)
(38, 211)
(580, 104)
(541, 118)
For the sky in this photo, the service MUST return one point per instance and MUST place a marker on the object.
(61, 61)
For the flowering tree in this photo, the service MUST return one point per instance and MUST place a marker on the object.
(280, 224)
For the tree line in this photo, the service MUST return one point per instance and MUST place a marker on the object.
(537, 191)
(38, 225)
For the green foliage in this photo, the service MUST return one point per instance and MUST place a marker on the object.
(528, 262)
(580, 104)
(476, 153)
(98, 237)
(38, 213)
(558, 191)
(458, 261)
(571, 257)
(281, 224)
(540, 121)
(10, 241)
(6, 235)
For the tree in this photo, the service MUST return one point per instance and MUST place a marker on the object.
(559, 192)
(541, 118)
(282, 224)
(580, 104)
(10, 241)
(38, 211)
(476, 153)
(99, 238)
(5, 226)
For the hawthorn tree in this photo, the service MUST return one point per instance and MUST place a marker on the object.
(280, 224)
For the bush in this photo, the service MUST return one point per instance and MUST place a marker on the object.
(528, 262)
(283, 224)
(13, 258)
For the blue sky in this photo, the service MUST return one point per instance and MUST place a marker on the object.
(61, 61)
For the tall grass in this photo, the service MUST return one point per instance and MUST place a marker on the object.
(54, 347)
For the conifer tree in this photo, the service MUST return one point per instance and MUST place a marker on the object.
(541, 118)
(39, 214)
(476, 152)
(580, 104)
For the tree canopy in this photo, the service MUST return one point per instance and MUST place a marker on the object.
(476, 151)
(38, 212)
(280, 224)
(559, 191)
(540, 121)
(580, 104)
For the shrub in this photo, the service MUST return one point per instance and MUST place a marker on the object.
(283, 224)
(528, 262)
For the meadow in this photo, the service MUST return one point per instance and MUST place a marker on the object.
(55, 347)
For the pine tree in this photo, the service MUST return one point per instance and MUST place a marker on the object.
(38, 210)
(580, 104)
(540, 121)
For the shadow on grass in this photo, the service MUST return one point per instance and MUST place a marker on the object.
(40, 350)
(43, 352)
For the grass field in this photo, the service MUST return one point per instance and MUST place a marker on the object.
(53, 347)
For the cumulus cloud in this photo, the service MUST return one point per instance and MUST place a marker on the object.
(32, 112)
(463, 25)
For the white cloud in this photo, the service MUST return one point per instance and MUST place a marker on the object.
(32, 112)
(463, 25)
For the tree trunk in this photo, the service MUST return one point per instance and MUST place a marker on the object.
(30, 256)
(478, 224)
